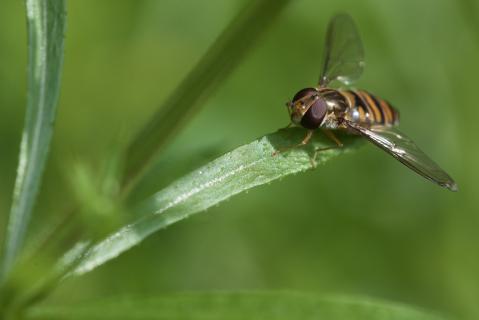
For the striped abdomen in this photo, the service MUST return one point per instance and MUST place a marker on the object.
(365, 108)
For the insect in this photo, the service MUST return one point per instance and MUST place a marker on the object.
(356, 112)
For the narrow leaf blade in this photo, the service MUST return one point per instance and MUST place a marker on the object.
(244, 168)
(46, 24)
(251, 306)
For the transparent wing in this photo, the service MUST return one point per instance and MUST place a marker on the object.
(405, 150)
(343, 58)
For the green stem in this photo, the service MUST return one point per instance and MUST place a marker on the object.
(216, 65)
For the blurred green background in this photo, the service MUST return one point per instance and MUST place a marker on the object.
(362, 224)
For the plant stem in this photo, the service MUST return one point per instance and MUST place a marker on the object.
(216, 65)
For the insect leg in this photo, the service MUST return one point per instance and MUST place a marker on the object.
(332, 137)
(330, 134)
(302, 143)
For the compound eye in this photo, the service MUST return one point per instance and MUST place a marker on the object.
(303, 93)
(314, 116)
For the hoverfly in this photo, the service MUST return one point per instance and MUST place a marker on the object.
(356, 111)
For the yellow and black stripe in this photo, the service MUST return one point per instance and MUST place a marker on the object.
(371, 109)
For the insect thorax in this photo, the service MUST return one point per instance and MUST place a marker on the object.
(337, 107)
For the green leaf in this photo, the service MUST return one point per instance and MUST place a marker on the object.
(246, 167)
(46, 24)
(215, 66)
(250, 306)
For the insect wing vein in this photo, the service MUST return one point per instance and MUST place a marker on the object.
(343, 58)
(401, 147)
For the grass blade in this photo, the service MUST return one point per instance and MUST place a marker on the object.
(217, 63)
(251, 306)
(46, 24)
(246, 167)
